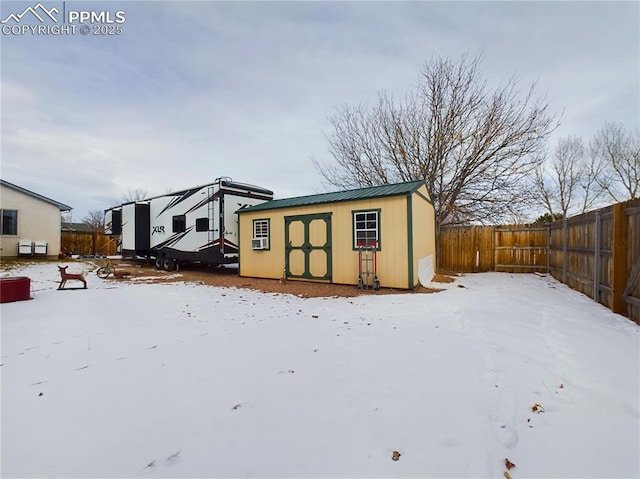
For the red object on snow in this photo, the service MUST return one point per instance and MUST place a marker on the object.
(15, 289)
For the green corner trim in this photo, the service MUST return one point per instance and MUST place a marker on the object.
(239, 246)
(410, 241)
(424, 197)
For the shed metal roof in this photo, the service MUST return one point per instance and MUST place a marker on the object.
(382, 191)
(61, 206)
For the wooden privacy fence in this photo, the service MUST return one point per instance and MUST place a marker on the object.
(596, 253)
(87, 243)
(475, 249)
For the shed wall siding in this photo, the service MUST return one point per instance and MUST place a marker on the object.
(424, 227)
(37, 221)
(392, 259)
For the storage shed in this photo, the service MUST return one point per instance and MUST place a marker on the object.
(336, 237)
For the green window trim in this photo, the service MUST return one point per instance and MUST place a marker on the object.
(262, 229)
(356, 217)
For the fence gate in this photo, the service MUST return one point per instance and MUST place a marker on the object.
(520, 249)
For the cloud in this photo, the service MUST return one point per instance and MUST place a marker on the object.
(196, 90)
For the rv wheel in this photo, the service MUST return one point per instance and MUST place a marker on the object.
(168, 264)
(159, 262)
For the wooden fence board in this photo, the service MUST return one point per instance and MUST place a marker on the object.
(596, 253)
(632, 212)
(467, 249)
(88, 243)
(520, 249)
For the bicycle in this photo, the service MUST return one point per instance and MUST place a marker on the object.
(105, 270)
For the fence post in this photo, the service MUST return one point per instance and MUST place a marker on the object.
(619, 259)
(565, 250)
(596, 260)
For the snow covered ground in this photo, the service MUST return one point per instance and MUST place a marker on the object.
(186, 380)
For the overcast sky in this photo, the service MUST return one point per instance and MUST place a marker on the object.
(191, 91)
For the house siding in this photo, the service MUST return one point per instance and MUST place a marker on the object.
(38, 220)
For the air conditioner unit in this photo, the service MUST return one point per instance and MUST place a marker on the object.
(260, 243)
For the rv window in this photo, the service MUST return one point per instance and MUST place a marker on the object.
(179, 223)
(202, 224)
(366, 228)
(9, 222)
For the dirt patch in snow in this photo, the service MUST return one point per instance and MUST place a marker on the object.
(143, 272)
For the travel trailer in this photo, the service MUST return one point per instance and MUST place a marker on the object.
(194, 225)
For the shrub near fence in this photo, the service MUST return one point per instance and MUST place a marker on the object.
(596, 253)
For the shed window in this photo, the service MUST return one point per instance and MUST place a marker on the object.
(366, 228)
(179, 223)
(261, 230)
(9, 222)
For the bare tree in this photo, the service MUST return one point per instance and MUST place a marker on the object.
(133, 195)
(475, 148)
(95, 219)
(558, 180)
(592, 182)
(544, 192)
(618, 152)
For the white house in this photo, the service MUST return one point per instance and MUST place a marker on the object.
(28, 217)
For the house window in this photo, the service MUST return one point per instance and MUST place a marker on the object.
(9, 223)
(202, 224)
(366, 228)
(179, 223)
(261, 234)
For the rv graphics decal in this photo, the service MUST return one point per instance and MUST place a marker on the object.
(174, 238)
(157, 229)
(179, 199)
(216, 196)
(227, 243)
(201, 203)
